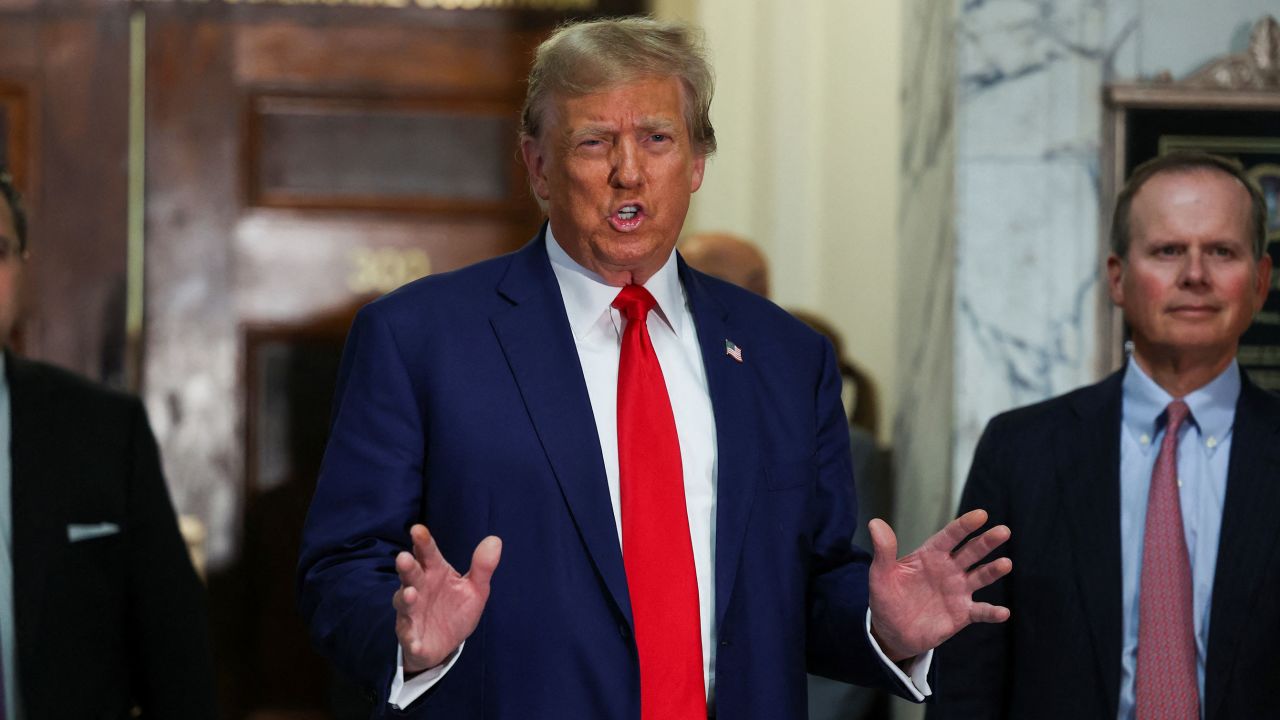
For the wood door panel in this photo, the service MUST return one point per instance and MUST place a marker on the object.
(411, 153)
(70, 67)
(484, 62)
(336, 260)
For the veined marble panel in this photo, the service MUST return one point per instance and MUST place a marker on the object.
(1123, 31)
(1028, 126)
(922, 428)
(1027, 273)
(1029, 76)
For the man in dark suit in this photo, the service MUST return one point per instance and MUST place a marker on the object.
(101, 613)
(663, 455)
(1144, 505)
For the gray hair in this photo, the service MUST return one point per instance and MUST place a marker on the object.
(1184, 161)
(587, 57)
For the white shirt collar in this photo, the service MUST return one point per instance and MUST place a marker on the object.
(587, 296)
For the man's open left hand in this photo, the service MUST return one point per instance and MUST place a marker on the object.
(922, 599)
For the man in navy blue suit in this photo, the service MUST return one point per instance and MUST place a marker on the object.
(1147, 500)
(496, 405)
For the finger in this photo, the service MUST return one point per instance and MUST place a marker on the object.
(424, 546)
(984, 575)
(883, 541)
(403, 599)
(405, 633)
(988, 613)
(408, 569)
(957, 530)
(484, 561)
(413, 650)
(981, 546)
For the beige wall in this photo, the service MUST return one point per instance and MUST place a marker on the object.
(807, 116)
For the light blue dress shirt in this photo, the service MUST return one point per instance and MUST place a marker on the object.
(1204, 449)
(8, 635)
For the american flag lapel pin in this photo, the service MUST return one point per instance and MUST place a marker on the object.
(732, 350)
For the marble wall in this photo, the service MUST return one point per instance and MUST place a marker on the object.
(1028, 120)
(922, 429)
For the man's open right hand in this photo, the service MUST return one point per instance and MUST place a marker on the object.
(436, 608)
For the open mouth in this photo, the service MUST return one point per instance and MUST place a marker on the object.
(627, 217)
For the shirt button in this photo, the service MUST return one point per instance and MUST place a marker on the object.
(1212, 442)
(1145, 440)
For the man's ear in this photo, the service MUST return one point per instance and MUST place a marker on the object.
(699, 167)
(535, 162)
(1263, 288)
(1115, 279)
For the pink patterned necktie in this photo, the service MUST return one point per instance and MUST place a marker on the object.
(1165, 684)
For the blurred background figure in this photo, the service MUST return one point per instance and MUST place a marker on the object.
(729, 257)
(737, 260)
(871, 463)
(101, 612)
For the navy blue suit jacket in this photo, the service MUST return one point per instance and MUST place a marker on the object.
(461, 404)
(1051, 472)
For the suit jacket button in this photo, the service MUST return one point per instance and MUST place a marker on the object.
(624, 631)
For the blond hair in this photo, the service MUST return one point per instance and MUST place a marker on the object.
(587, 57)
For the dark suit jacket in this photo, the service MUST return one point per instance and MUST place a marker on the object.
(1051, 472)
(108, 623)
(461, 403)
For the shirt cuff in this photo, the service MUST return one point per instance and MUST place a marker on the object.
(404, 692)
(916, 679)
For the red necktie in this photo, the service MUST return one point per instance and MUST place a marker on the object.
(656, 550)
(1165, 684)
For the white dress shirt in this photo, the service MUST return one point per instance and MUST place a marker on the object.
(597, 334)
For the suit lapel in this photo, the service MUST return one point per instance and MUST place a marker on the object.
(1087, 451)
(737, 468)
(538, 343)
(32, 499)
(1249, 534)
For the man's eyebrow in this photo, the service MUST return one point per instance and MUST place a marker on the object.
(663, 124)
(591, 130)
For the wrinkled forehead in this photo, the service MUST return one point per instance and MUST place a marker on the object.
(677, 116)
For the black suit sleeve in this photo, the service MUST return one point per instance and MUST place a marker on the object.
(970, 680)
(173, 667)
